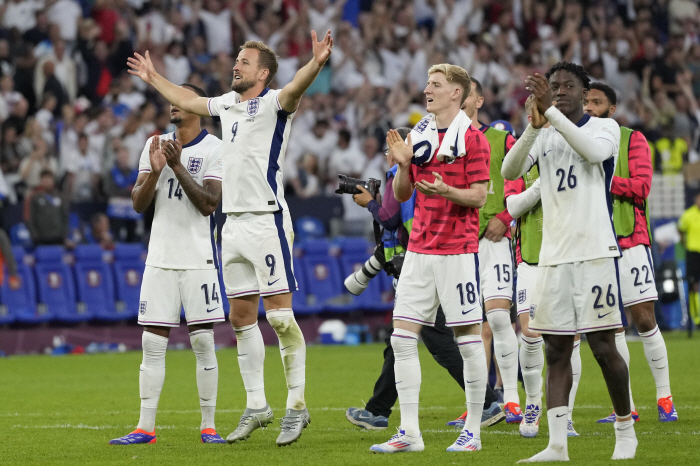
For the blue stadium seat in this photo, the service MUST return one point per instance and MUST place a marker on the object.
(128, 273)
(56, 287)
(19, 236)
(21, 304)
(323, 277)
(95, 283)
(306, 228)
(354, 253)
(300, 301)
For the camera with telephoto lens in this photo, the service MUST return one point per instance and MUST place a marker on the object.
(394, 266)
(348, 185)
(357, 282)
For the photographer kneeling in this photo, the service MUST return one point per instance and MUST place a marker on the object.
(396, 219)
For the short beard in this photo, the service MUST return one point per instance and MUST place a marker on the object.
(176, 120)
(605, 115)
(241, 86)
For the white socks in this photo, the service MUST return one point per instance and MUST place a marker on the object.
(625, 440)
(505, 345)
(557, 450)
(202, 342)
(621, 344)
(531, 365)
(408, 378)
(151, 378)
(251, 361)
(576, 373)
(475, 379)
(293, 350)
(657, 357)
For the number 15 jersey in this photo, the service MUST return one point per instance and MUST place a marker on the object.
(181, 237)
(255, 135)
(576, 200)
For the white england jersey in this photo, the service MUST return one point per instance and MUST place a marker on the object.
(181, 237)
(576, 200)
(255, 135)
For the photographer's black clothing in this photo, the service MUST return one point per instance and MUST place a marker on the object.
(440, 342)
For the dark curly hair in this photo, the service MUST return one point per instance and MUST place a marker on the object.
(607, 90)
(577, 70)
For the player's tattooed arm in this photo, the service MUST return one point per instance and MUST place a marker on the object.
(145, 187)
(205, 198)
(290, 95)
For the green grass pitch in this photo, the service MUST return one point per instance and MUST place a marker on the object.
(63, 410)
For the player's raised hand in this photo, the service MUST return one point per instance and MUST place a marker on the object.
(156, 156)
(400, 150)
(536, 118)
(436, 187)
(172, 150)
(322, 48)
(142, 67)
(539, 86)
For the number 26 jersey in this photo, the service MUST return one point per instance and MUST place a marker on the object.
(576, 199)
(181, 237)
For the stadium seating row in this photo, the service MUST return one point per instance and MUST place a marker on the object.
(93, 284)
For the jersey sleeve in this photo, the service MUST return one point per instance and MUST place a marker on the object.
(639, 182)
(608, 131)
(514, 187)
(534, 154)
(215, 164)
(214, 106)
(510, 141)
(478, 157)
(145, 159)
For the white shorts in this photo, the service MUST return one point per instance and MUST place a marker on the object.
(256, 254)
(580, 297)
(527, 277)
(637, 282)
(165, 291)
(496, 269)
(428, 281)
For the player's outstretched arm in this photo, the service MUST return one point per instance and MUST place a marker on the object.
(519, 204)
(145, 187)
(516, 162)
(403, 154)
(205, 198)
(183, 98)
(290, 95)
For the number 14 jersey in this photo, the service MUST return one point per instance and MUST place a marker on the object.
(576, 200)
(181, 237)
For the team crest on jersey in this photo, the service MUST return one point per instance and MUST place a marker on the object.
(253, 106)
(522, 295)
(420, 127)
(142, 307)
(194, 164)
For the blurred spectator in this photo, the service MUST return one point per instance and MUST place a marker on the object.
(100, 232)
(20, 14)
(82, 172)
(305, 181)
(177, 66)
(67, 14)
(346, 158)
(48, 214)
(38, 162)
(118, 186)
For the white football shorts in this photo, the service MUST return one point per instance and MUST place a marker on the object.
(165, 291)
(527, 277)
(637, 281)
(429, 280)
(257, 254)
(496, 269)
(578, 297)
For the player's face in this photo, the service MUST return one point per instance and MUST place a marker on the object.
(597, 104)
(245, 71)
(472, 102)
(439, 93)
(567, 90)
(177, 116)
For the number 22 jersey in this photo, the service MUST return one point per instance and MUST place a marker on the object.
(576, 200)
(181, 237)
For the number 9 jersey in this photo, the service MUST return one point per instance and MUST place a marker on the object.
(181, 237)
(576, 200)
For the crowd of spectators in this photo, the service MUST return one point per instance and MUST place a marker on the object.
(70, 112)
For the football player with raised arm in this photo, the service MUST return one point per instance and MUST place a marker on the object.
(257, 237)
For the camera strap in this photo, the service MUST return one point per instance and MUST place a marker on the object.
(378, 232)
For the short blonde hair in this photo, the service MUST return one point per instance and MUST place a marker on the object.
(267, 59)
(456, 75)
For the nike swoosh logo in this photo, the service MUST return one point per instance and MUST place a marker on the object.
(285, 348)
(244, 354)
(209, 368)
(654, 360)
(226, 108)
(502, 288)
(575, 374)
(472, 381)
(560, 415)
(601, 316)
(505, 355)
(397, 382)
(545, 154)
(270, 284)
(532, 367)
(644, 291)
(464, 313)
(212, 310)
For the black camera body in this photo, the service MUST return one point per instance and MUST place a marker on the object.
(348, 185)
(394, 265)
